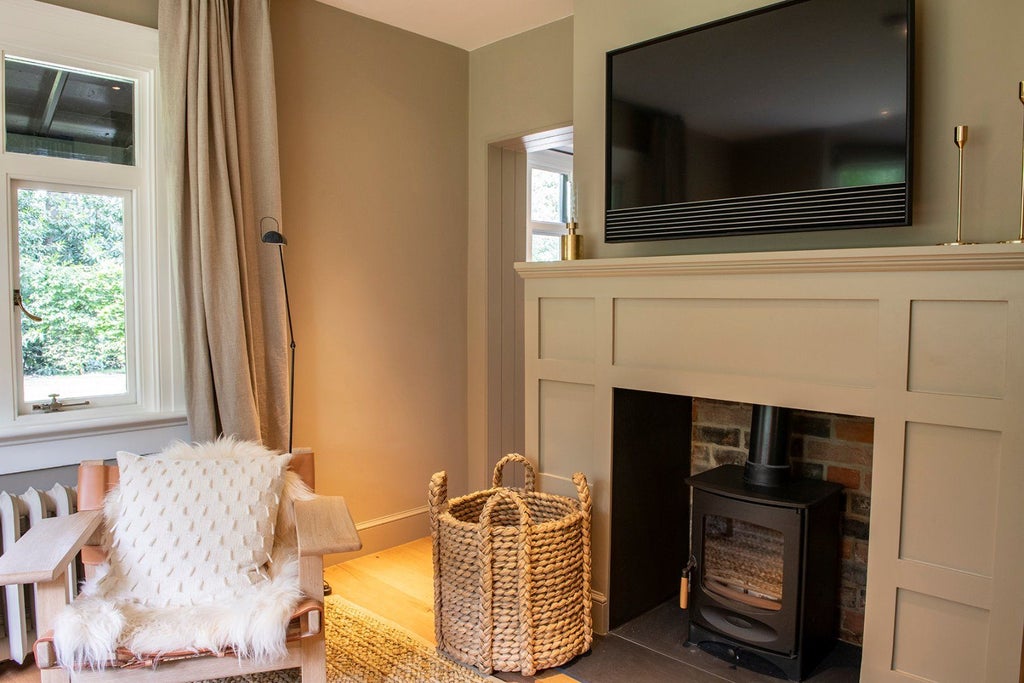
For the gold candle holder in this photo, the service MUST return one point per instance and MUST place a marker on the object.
(572, 243)
(960, 140)
(1020, 235)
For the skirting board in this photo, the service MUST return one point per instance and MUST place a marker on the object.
(388, 519)
(599, 611)
(387, 531)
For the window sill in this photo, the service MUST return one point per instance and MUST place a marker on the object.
(14, 435)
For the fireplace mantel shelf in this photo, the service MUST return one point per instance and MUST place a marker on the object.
(928, 341)
(880, 259)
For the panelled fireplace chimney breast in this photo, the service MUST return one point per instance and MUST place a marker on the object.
(867, 332)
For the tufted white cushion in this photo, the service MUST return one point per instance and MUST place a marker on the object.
(192, 532)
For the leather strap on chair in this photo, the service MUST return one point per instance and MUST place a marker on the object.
(95, 480)
(46, 655)
(302, 464)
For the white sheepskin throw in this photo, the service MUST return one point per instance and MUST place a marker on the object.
(201, 556)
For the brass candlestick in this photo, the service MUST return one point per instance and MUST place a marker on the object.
(1020, 235)
(960, 140)
(572, 244)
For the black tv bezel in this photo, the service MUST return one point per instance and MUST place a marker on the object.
(672, 232)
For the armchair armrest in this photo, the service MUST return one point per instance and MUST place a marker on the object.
(45, 551)
(324, 526)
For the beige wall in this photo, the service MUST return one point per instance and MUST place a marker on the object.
(969, 61)
(519, 85)
(141, 12)
(372, 124)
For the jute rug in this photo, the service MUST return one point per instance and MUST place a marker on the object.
(362, 648)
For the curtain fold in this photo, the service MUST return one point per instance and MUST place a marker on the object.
(219, 122)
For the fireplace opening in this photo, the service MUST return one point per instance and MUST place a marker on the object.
(821, 447)
(650, 534)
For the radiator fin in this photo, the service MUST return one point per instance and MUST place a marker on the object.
(18, 513)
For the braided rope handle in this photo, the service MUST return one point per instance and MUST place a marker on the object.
(437, 501)
(525, 580)
(528, 470)
(586, 505)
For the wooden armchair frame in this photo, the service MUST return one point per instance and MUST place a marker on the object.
(43, 554)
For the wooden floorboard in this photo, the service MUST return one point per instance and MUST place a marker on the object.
(10, 672)
(392, 584)
(398, 584)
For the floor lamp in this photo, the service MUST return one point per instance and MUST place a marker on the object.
(275, 237)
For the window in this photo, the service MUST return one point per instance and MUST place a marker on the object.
(71, 272)
(550, 183)
(90, 340)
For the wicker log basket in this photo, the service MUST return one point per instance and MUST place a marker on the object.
(511, 574)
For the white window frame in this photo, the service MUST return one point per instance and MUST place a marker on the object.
(49, 34)
(130, 396)
(545, 160)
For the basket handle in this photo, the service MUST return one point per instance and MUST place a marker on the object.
(437, 502)
(531, 474)
(510, 495)
(437, 496)
(524, 579)
(586, 505)
(583, 491)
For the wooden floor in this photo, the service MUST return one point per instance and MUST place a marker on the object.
(398, 584)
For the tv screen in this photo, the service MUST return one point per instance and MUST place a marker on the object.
(792, 117)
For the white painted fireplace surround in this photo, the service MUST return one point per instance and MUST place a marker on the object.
(928, 341)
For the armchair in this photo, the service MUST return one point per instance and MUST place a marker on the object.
(126, 605)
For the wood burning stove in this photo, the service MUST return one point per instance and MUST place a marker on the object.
(767, 572)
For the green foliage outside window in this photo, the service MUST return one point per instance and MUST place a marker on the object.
(72, 275)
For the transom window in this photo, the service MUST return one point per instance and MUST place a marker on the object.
(57, 111)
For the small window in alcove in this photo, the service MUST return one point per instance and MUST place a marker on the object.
(549, 201)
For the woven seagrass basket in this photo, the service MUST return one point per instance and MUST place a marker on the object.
(511, 574)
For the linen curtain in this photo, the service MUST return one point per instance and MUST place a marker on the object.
(219, 119)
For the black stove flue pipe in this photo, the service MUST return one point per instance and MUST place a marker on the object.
(768, 460)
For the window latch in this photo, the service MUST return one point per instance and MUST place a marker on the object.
(55, 406)
(19, 304)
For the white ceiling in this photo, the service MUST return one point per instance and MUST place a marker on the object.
(468, 24)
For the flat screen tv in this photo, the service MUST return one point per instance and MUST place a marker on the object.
(792, 117)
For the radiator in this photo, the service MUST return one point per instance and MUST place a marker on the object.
(17, 514)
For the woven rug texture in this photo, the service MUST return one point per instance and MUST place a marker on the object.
(362, 648)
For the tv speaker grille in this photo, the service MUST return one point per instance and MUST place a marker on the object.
(857, 207)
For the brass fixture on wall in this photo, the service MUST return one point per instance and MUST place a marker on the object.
(572, 243)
